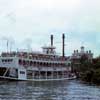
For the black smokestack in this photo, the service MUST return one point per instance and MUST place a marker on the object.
(51, 40)
(63, 45)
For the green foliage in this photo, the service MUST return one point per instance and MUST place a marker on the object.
(85, 67)
(96, 76)
(87, 76)
(96, 65)
(88, 71)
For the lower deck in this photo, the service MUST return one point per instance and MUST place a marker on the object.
(17, 74)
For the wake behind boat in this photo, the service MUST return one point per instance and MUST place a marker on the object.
(36, 66)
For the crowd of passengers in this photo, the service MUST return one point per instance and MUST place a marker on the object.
(35, 56)
(34, 63)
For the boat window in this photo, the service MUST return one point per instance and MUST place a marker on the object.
(20, 61)
(10, 60)
(22, 72)
(7, 60)
(3, 60)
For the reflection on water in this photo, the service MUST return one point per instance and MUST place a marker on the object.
(55, 90)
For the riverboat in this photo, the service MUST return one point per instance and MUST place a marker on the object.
(36, 66)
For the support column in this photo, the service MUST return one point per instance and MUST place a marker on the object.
(62, 74)
(39, 75)
(57, 75)
(52, 74)
(46, 75)
(33, 75)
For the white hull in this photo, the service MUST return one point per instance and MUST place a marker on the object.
(16, 79)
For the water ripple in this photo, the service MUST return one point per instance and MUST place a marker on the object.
(60, 90)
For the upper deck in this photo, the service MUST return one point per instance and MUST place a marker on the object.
(34, 56)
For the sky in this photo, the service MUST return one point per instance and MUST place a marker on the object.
(28, 24)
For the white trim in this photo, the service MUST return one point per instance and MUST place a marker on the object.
(10, 78)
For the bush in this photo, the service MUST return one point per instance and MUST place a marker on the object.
(87, 76)
(96, 76)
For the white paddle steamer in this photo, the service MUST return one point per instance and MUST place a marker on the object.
(36, 66)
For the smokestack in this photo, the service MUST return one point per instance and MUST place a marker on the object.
(51, 40)
(63, 45)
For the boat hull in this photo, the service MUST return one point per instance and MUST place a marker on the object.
(16, 79)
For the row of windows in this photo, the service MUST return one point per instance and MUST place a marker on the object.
(7, 60)
(30, 63)
(46, 58)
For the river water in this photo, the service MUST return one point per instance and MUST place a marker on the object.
(55, 90)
